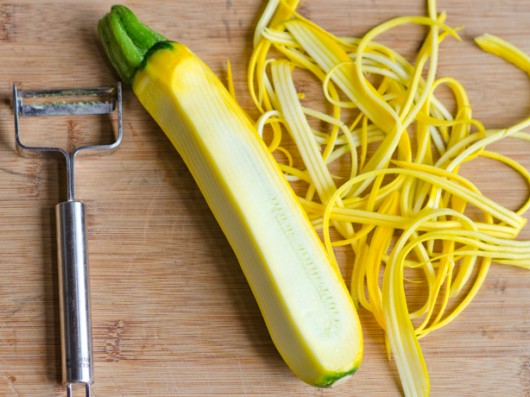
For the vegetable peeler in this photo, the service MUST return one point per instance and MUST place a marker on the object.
(73, 273)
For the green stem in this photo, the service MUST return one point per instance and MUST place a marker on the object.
(126, 40)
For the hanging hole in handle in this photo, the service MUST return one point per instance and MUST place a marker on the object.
(69, 389)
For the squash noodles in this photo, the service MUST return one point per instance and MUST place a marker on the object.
(399, 202)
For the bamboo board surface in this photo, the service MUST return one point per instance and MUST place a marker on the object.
(172, 313)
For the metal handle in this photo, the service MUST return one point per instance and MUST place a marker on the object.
(74, 296)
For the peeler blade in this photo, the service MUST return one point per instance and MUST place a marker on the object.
(63, 102)
(67, 102)
(60, 102)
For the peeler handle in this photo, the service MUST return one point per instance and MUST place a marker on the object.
(74, 295)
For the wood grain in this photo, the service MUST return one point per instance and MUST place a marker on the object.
(172, 313)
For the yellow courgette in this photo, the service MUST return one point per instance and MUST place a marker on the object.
(306, 306)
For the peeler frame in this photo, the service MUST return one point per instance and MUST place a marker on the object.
(63, 110)
(73, 272)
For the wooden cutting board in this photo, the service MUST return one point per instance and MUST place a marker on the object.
(172, 313)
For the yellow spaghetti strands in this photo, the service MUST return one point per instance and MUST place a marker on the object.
(376, 168)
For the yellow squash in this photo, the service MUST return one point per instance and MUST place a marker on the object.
(306, 306)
